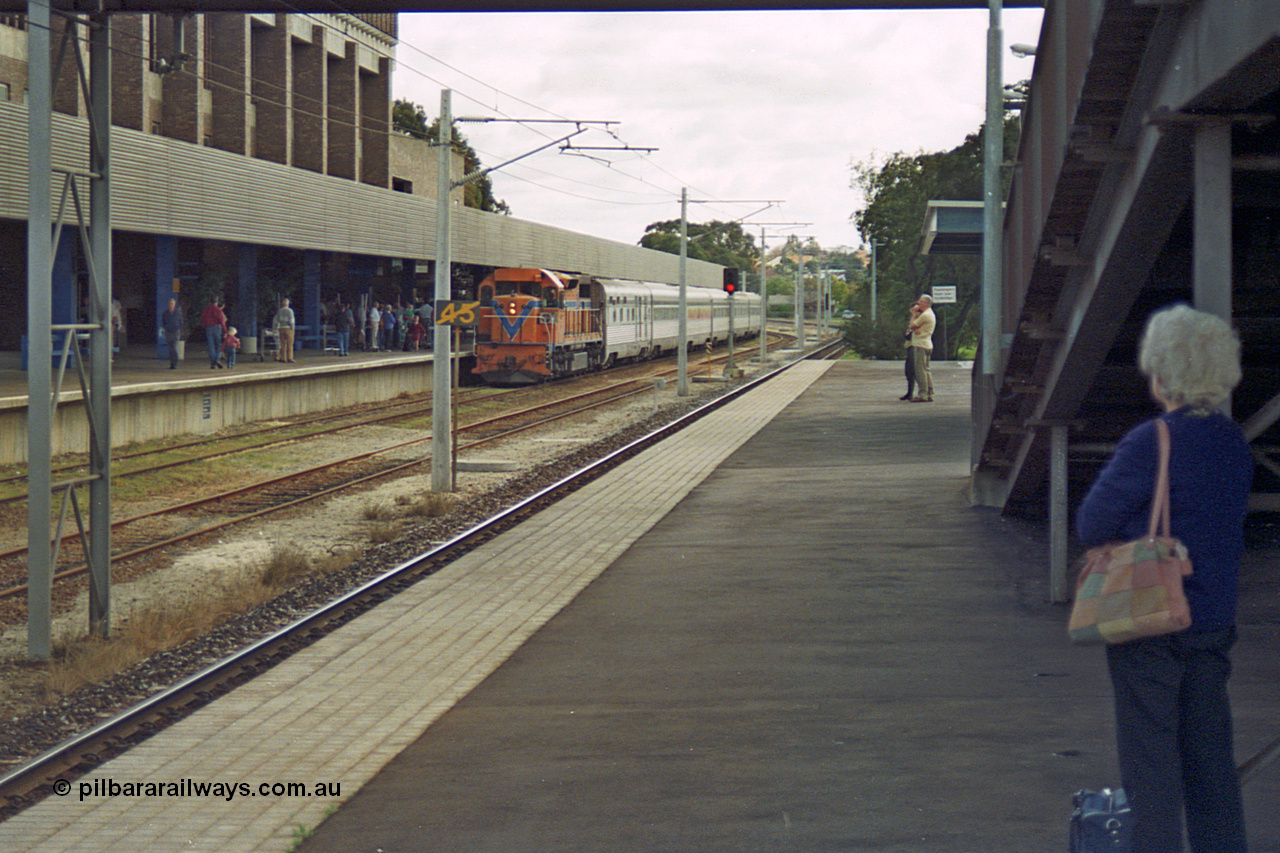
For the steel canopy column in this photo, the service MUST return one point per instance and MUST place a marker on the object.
(39, 333)
(100, 343)
(247, 291)
(166, 288)
(1211, 250)
(311, 314)
(1059, 531)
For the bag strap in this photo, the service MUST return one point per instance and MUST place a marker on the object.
(1160, 493)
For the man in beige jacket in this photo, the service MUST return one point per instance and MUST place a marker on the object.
(922, 348)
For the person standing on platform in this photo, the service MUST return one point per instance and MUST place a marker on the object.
(171, 323)
(214, 321)
(909, 363)
(388, 339)
(284, 326)
(342, 321)
(375, 328)
(1173, 714)
(922, 348)
(230, 343)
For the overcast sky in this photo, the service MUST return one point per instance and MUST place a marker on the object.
(740, 105)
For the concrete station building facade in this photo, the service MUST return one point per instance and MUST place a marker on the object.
(252, 155)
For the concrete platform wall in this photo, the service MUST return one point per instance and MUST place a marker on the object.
(144, 412)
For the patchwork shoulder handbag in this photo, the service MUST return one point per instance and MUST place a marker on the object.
(1128, 590)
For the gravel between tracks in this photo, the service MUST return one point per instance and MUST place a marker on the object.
(35, 722)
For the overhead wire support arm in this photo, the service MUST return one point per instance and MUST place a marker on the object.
(582, 127)
(476, 175)
(606, 148)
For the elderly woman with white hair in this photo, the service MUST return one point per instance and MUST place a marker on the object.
(1173, 718)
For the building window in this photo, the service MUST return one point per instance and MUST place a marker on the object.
(400, 185)
(4, 91)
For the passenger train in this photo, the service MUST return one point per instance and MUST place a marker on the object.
(537, 324)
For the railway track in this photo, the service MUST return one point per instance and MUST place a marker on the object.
(134, 539)
(70, 759)
(276, 494)
(300, 429)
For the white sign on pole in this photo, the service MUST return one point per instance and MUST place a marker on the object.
(943, 295)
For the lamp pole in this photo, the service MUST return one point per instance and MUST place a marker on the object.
(764, 304)
(682, 332)
(992, 153)
(799, 300)
(874, 246)
(441, 411)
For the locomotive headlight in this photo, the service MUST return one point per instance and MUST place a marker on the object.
(511, 309)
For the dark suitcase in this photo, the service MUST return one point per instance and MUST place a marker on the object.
(1100, 822)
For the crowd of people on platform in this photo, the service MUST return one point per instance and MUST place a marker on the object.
(384, 327)
(401, 327)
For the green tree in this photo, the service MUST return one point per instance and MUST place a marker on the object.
(410, 118)
(897, 191)
(724, 243)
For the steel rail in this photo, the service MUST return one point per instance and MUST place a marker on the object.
(75, 571)
(263, 485)
(417, 408)
(15, 552)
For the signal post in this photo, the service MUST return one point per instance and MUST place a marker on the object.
(732, 280)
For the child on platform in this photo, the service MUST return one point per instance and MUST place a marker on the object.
(416, 331)
(230, 343)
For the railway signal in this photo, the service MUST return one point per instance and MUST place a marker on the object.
(731, 280)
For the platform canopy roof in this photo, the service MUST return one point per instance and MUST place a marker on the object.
(952, 228)
(368, 6)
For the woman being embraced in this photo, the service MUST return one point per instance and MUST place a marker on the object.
(1173, 717)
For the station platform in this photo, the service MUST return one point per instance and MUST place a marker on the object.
(151, 401)
(783, 629)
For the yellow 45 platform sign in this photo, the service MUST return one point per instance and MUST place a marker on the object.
(451, 313)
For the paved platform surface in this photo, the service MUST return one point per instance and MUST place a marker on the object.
(822, 647)
(785, 629)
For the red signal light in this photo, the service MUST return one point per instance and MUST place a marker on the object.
(731, 280)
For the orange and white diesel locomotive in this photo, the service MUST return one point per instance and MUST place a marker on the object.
(537, 325)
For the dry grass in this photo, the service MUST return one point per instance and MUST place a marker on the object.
(155, 627)
(430, 505)
(378, 511)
